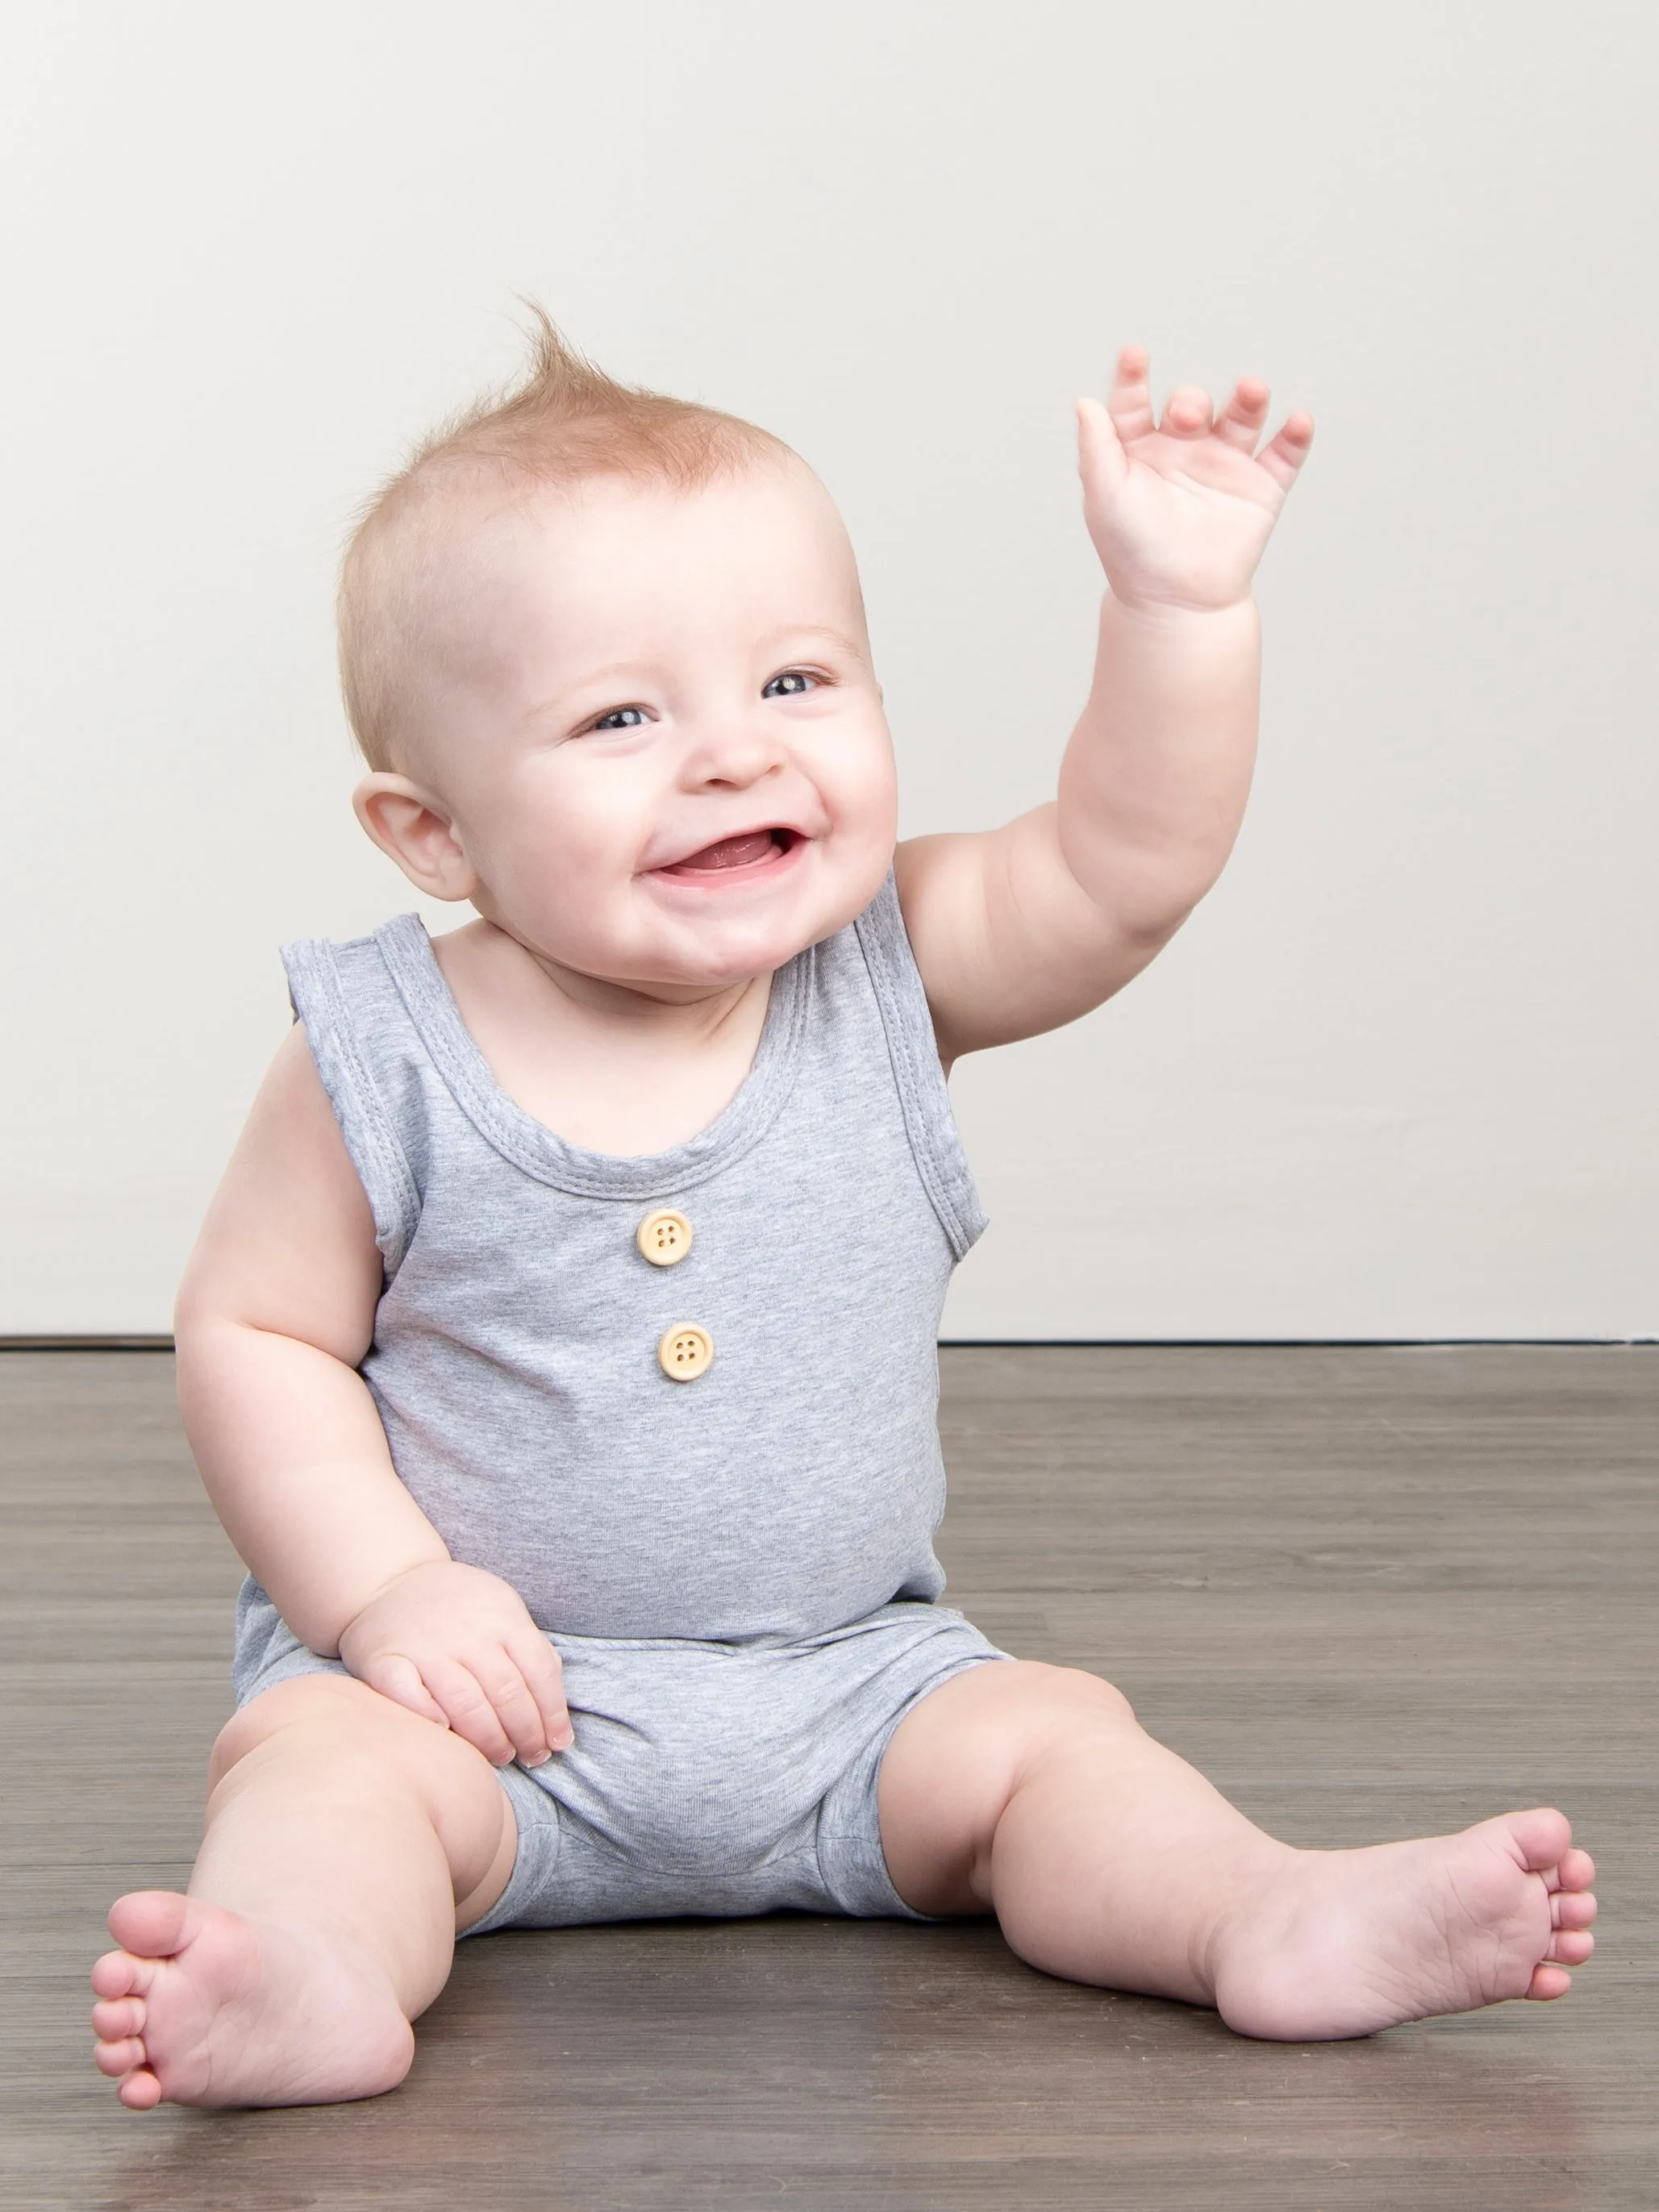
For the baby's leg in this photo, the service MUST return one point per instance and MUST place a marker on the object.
(1032, 1791)
(346, 1841)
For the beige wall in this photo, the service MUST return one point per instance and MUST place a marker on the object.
(1396, 1078)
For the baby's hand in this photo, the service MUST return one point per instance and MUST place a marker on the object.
(457, 1646)
(1180, 512)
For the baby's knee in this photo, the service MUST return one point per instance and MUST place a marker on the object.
(336, 1703)
(1067, 1697)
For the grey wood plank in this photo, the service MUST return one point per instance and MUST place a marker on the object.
(1370, 1591)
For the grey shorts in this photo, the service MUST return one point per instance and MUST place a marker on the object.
(708, 1778)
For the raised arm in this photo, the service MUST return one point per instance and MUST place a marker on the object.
(1020, 929)
(275, 1312)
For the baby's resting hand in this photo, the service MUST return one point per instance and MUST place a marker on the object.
(457, 1646)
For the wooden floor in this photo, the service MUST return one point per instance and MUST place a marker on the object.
(1372, 1592)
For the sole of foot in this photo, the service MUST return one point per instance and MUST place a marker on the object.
(202, 2006)
(1343, 1943)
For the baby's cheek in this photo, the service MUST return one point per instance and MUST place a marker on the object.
(573, 846)
(871, 777)
(866, 819)
(557, 890)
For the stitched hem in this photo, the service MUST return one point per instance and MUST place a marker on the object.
(851, 1860)
(318, 999)
(534, 1861)
(519, 1139)
(913, 1050)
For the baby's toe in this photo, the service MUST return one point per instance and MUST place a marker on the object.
(1576, 1869)
(118, 1974)
(1543, 1838)
(120, 2058)
(118, 2018)
(154, 1924)
(1571, 1946)
(141, 2092)
(1571, 1908)
(1547, 1982)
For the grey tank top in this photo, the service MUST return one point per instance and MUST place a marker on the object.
(795, 1484)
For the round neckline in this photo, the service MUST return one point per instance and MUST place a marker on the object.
(530, 1144)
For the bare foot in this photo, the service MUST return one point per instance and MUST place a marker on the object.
(1346, 1942)
(203, 2007)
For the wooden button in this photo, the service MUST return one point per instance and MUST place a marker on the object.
(686, 1352)
(664, 1238)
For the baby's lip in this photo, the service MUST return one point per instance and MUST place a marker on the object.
(741, 848)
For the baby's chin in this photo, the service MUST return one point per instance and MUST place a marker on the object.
(696, 961)
(688, 947)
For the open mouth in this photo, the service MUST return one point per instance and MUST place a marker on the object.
(745, 854)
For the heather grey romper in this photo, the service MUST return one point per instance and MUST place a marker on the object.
(737, 1571)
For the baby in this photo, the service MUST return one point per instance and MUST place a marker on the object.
(559, 1350)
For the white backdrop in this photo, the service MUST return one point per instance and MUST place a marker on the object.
(1397, 1077)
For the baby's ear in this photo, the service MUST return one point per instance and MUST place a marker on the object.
(412, 829)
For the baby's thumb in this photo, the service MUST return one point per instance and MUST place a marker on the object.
(398, 1678)
(1101, 458)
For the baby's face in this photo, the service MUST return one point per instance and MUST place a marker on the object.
(659, 738)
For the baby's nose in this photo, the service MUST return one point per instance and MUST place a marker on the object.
(737, 755)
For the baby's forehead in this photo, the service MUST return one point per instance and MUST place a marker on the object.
(763, 534)
(771, 499)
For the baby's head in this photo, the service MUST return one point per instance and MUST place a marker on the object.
(606, 655)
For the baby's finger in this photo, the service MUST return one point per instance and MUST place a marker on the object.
(1187, 413)
(515, 1708)
(538, 1662)
(1129, 402)
(1288, 451)
(1239, 423)
(469, 1710)
(398, 1678)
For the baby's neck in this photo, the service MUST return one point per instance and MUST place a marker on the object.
(690, 1010)
(605, 1065)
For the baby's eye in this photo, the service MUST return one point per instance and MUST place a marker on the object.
(791, 684)
(621, 718)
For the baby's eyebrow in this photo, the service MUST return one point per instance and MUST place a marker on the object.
(616, 676)
(823, 629)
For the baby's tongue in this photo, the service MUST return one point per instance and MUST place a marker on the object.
(731, 852)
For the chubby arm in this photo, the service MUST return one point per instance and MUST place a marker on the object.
(276, 1311)
(1020, 929)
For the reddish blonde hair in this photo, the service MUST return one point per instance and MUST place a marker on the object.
(564, 420)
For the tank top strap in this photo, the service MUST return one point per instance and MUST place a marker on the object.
(363, 1042)
(913, 1049)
